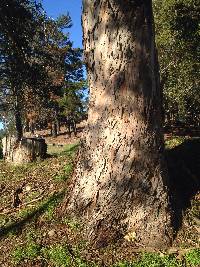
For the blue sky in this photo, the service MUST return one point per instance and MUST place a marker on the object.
(54, 8)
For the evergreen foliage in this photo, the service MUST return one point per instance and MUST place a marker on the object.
(38, 66)
(177, 32)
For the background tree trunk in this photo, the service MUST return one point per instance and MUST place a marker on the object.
(18, 120)
(32, 127)
(120, 182)
(54, 129)
(27, 126)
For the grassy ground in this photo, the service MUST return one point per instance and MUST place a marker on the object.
(33, 234)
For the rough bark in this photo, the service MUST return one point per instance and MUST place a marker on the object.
(120, 183)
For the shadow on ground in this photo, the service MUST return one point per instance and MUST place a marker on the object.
(17, 226)
(184, 171)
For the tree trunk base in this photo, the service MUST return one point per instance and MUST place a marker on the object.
(113, 211)
(23, 151)
(120, 186)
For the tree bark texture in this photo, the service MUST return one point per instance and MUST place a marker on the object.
(120, 183)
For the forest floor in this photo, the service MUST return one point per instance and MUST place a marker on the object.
(32, 233)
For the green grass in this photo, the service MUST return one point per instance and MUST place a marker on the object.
(18, 255)
(13, 173)
(66, 151)
(30, 251)
(4, 219)
(65, 174)
(29, 215)
(58, 255)
(193, 258)
(152, 260)
(51, 205)
(73, 224)
(156, 260)
(174, 141)
(61, 255)
(45, 207)
(56, 150)
(190, 259)
(31, 246)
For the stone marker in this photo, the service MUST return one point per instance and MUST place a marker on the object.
(23, 151)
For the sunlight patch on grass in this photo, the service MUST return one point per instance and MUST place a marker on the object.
(29, 252)
(174, 141)
(59, 255)
(66, 173)
(68, 149)
(73, 224)
(193, 258)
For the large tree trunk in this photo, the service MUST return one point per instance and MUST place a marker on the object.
(120, 183)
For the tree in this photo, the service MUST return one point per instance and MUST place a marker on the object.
(18, 69)
(73, 102)
(36, 61)
(65, 70)
(177, 36)
(120, 183)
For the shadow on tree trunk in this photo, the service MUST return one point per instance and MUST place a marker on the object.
(184, 172)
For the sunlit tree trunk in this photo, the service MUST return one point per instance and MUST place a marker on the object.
(54, 129)
(18, 119)
(120, 183)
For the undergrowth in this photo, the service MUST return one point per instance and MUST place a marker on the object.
(37, 236)
(62, 255)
